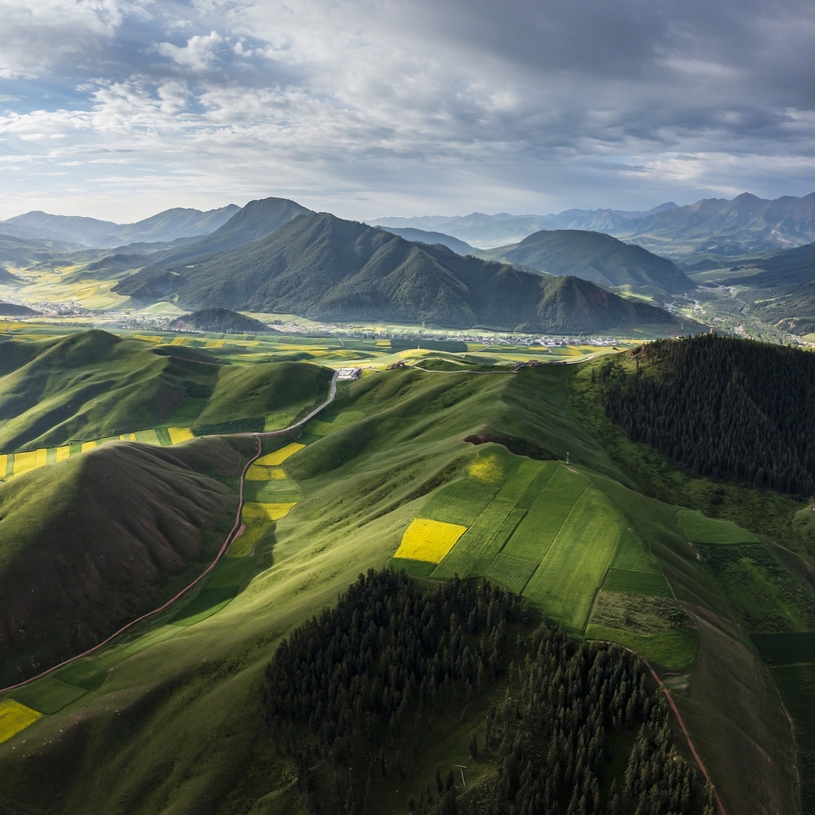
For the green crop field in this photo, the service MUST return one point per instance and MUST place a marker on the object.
(460, 503)
(496, 543)
(511, 572)
(549, 512)
(83, 673)
(461, 559)
(575, 565)
(49, 695)
(635, 555)
(701, 529)
(649, 585)
(522, 479)
(231, 572)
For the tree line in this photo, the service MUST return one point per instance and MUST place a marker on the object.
(351, 697)
(725, 407)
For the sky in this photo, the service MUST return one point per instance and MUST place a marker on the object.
(118, 109)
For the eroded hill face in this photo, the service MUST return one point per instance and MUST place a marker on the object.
(90, 543)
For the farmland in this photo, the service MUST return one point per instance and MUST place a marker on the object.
(389, 454)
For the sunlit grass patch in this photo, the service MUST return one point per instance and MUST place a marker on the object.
(15, 718)
(270, 512)
(279, 456)
(429, 540)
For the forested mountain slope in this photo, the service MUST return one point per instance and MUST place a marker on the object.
(724, 407)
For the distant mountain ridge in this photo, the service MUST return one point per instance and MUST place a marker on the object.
(743, 225)
(166, 226)
(326, 268)
(431, 239)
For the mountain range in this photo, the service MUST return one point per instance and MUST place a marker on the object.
(717, 226)
(164, 227)
(325, 268)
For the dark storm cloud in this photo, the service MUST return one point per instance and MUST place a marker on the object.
(368, 107)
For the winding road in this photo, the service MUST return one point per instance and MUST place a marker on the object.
(233, 533)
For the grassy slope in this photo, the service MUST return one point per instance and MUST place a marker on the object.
(93, 385)
(91, 542)
(167, 712)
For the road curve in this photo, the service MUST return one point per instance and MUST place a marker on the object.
(233, 533)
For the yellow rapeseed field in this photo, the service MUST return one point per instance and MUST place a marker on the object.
(63, 453)
(428, 540)
(24, 462)
(271, 512)
(88, 445)
(15, 717)
(257, 472)
(179, 434)
(279, 456)
(3, 465)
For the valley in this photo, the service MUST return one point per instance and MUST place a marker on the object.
(186, 489)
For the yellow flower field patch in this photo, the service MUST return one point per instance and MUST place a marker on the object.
(428, 540)
(179, 434)
(270, 512)
(24, 462)
(88, 445)
(63, 453)
(257, 472)
(487, 468)
(279, 456)
(15, 717)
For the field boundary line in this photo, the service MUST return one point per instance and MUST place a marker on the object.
(221, 552)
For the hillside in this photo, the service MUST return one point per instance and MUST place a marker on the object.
(254, 221)
(94, 541)
(324, 268)
(92, 385)
(402, 465)
(785, 269)
(431, 239)
(218, 321)
(13, 310)
(724, 407)
(599, 258)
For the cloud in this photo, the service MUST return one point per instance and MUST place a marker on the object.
(368, 107)
(198, 54)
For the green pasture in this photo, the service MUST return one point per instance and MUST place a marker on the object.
(283, 491)
(701, 529)
(627, 582)
(465, 554)
(48, 695)
(460, 503)
(674, 650)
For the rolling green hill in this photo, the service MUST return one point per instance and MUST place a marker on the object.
(13, 310)
(599, 258)
(325, 268)
(90, 543)
(93, 385)
(611, 545)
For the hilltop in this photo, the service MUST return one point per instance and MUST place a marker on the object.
(325, 268)
(599, 258)
(219, 321)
